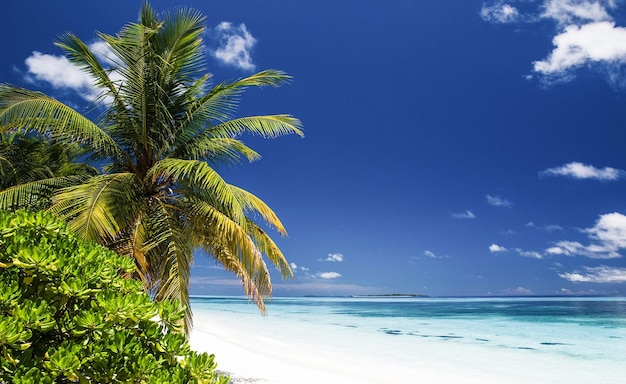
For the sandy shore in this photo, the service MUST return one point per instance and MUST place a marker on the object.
(266, 350)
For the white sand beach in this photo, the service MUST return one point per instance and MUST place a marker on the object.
(265, 350)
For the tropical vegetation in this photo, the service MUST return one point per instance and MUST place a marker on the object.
(164, 131)
(67, 314)
(26, 157)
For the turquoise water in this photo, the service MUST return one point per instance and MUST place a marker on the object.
(568, 331)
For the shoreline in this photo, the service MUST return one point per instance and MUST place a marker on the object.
(273, 350)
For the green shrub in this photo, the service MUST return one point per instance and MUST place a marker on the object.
(67, 314)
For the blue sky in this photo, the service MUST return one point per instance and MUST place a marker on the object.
(452, 147)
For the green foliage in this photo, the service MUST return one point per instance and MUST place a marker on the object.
(69, 314)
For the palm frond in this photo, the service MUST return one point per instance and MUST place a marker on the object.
(24, 109)
(232, 246)
(174, 258)
(216, 150)
(265, 126)
(100, 208)
(198, 174)
(180, 43)
(255, 205)
(81, 55)
(221, 101)
(266, 245)
(268, 77)
(32, 195)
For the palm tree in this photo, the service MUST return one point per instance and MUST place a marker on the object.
(158, 198)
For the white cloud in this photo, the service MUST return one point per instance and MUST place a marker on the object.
(498, 201)
(531, 254)
(328, 275)
(494, 248)
(599, 42)
(610, 230)
(335, 257)
(464, 215)
(601, 274)
(609, 235)
(432, 255)
(586, 36)
(295, 267)
(500, 13)
(103, 52)
(58, 71)
(522, 291)
(547, 228)
(236, 43)
(571, 11)
(519, 291)
(566, 248)
(583, 171)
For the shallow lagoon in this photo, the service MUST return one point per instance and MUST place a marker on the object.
(521, 340)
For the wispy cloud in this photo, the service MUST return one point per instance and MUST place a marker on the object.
(531, 254)
(601, 274)
(328, 275)
(334, 257)
(236, 44)
(500, 13)
(567, 12)
(608, 238)
(432, 255)
(322, 287)
(498, 201)
(463, 215)
(495, 248)
(296, 267)
(519, 291)
(214, 281)
(547, 228)
(578, 170)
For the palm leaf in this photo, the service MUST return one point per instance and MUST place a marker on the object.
(255, 205)
(265, 126)
(174, 259)
(232, 246)
(100, 208)
(24, 109)
(266, 245)
(216, 150)
(194, 174)
(30, 194)
(221, 101)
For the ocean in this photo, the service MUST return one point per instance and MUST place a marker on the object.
(534, 338)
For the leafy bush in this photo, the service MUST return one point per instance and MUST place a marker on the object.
(67, 314)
